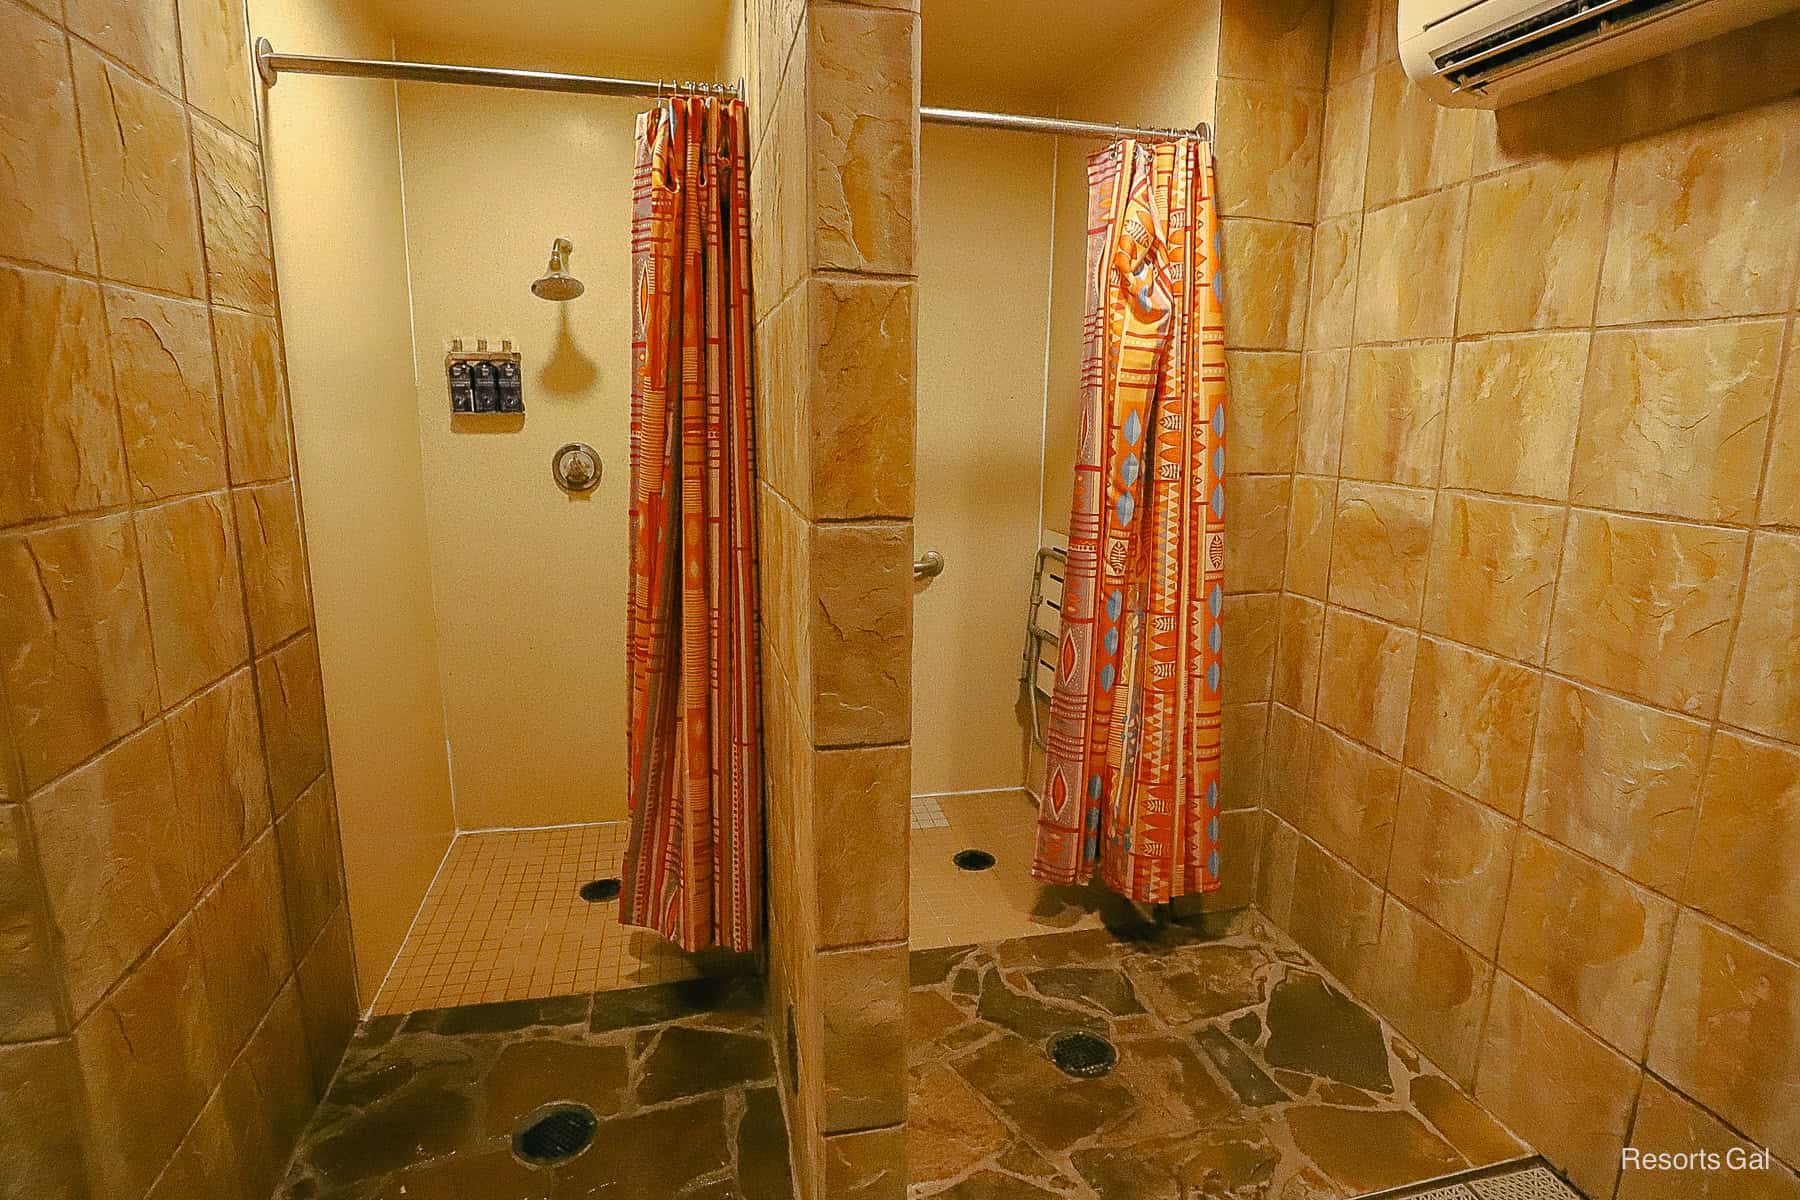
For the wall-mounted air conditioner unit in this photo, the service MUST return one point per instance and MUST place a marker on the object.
(1487, 53)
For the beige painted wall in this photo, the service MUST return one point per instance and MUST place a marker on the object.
(1169, 81)
(984, 276)
(335, 201)
(530, 583)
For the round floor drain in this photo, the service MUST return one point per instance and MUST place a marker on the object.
(554, 1133)
(972, 860)
(596, 890)
(1083, 1055)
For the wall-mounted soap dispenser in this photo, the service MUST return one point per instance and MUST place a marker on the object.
(483, 380)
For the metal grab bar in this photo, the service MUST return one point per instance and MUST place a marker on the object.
(928, 566)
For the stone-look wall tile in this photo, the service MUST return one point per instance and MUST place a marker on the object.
(1380, 543)
(116, 860)
(1515, 405)
(1406, 287)
(1257, 507)
(1471, 722)
(1350, 803)
(1267, 264)
(1290, 761)
(1345, 154)
(29, 993)
(1432, 987)
(862, 994)
(1243, 736)
(1562, 1090)
(1452, 859)
(1275, 876)
(292, 702)
(1366, 680)
(1310, 518)
(256, 425)
(861, 807)
(1331, 303)
(41, 1138)
(1239, 832)
(1418, 145)
(1324, 382)
(216, 57)
(867, 1165)
(139, 178)
(1762, 691)
(234, 221)
(327, 982)
(268, 1094)
(1251, 622)
(1674, 421)
(268, 525)
(785, 581)
(783, 400)
(243, 936)
(162, 358)
(864, 138)
(1284, 40)
(1587, 940)
(149, 1060)
(207, 1159)
(1672, 1123)
(139, 33)
(860, 631)
(793, 171)
(220, 779)
(1531, 259)
(1617, 781)
(1268, 149)
(1748, 839)
(1263, 415)
(1355, 38)
(1644, 607)
(310, 857)
(74, 642)
(861, 412)
(1394, 413)
(59, 436)
(1737, 70)
(1781, 490)
(1563, 125)
(1735, 182)
(1335, 913)
(1728, 1032)
(44, 211)
(195, 592)
(1493, 573)
(1302, 626)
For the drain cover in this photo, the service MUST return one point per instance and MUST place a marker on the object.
(595, 890)
(972, 860)
(1083, 1055)
(554, 1133)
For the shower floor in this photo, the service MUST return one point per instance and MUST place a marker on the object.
(504, 920)
(1244, 1072)
(949, 906)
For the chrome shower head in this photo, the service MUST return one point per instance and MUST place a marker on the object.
(557, 283)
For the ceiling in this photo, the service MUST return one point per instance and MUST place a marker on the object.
(977, 52)
(566, 34)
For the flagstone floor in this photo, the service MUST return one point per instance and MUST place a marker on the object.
(1244, 1073)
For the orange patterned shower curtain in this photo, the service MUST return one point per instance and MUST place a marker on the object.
(693, 869)
(1132, 784)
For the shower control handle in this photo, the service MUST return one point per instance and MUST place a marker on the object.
(928, 566)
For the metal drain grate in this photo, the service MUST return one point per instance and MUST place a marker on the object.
(1521, 1179)
(1082, 1055)
(596, 890)
(1531, 1183)
(972, 860)
(554, 1134)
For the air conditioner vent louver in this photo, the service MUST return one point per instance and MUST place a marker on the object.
(1552, 31)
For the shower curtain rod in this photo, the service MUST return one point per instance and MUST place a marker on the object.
(270, 64)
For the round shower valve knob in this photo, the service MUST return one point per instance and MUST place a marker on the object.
(576, 467)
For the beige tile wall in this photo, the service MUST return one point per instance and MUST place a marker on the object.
(1534, 736)
(173, 943)
(833, 99)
